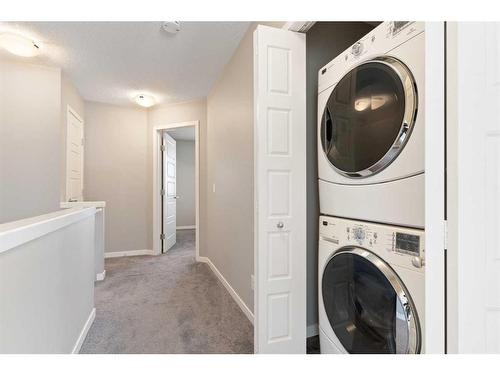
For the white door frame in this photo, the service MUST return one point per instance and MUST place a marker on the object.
(435, 117)
(71, 112)
(157, 181)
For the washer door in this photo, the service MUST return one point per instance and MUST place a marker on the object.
(368, 307)
(369, 117)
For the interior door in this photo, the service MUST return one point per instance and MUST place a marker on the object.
(169, 197)
(280, 190)
(74, 157)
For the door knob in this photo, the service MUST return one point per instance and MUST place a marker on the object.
(280, 225)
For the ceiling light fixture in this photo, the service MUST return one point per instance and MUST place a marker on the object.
(145, 100)
(172, 27)
(19, 45)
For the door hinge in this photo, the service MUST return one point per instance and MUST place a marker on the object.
(162, 147)
(445, 223)
(162, 236)
(162, 192)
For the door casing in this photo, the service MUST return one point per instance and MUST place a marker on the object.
(70, 112)
(157, 182)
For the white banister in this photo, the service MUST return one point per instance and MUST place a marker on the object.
(47, 282)
(16, 233)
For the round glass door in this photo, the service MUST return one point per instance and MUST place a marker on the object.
(369, 117)
(367, 305)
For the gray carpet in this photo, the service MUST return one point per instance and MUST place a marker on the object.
(166, 304)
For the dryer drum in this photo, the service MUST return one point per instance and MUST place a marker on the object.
(367, 305)
(369, 117)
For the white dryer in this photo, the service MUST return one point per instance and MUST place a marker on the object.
(371, 128)
(371, 288)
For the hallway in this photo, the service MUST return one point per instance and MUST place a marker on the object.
(166, 304)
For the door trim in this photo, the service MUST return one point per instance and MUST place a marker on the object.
(435, 318)
(157, 130)
(71, 112)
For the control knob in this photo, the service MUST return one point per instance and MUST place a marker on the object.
(357, 49)
(417, 262)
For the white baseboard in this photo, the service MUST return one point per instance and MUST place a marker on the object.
(312, 330)
(83, 333)
(100, 276)
(181, 227)
(128, 253)
(248, 313)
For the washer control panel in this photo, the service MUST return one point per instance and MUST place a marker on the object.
(406, 243)
(397, 245)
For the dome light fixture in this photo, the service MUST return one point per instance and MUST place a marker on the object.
(19, 45)
(145, 100)
(171, 27)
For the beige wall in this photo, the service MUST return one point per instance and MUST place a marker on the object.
(116, 171)
(119, 165)
(30, 136)
(71, 97)
(230, 167)
(182, 112)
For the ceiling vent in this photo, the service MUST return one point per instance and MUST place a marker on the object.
(171, 27)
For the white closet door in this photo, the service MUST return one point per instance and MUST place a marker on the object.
(169, 192)
(280, 190)
(478, 186)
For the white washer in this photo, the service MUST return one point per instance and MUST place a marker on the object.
(371, 128)
(371, 287)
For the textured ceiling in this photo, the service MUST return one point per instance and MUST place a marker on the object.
(111, 62)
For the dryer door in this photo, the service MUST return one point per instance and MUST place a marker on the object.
(369, 117)
(367, 305)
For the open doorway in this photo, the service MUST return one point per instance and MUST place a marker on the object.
(175, 186)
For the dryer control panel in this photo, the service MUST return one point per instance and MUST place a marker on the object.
(396, 245)
(378, 42)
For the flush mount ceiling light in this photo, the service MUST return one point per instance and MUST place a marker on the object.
(19, 45)
(172, 27)
(145, 100)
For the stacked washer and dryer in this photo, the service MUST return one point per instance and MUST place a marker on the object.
(371, 190)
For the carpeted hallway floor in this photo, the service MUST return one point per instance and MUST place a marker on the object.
(166, 304)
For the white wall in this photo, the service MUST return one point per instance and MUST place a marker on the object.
(117, 170)
(30, 139)
(186, 207)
